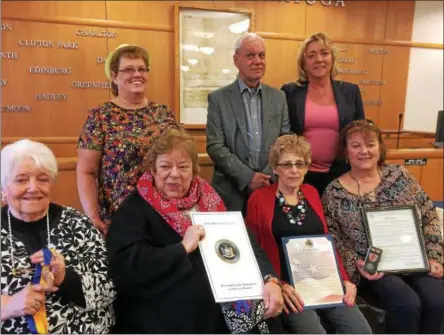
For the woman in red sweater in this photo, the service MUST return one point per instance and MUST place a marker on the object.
(290, 208)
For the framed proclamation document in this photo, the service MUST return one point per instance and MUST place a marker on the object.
(314, 272)
(397, 231)
(229, 260)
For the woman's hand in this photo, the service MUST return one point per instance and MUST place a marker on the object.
(293, 302)
(350, 293)
(360, 267)
(193, 235)
(273, 300)
(57, 266)
(101, 226)
(436, 269)
(25, 302)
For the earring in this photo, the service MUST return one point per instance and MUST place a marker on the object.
(346, 160)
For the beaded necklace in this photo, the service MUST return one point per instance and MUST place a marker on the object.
(15, 271)
(287, 209)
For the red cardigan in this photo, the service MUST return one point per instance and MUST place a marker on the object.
(259, 218)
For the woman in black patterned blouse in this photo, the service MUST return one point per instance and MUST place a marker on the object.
(76, 294)
(414, 302)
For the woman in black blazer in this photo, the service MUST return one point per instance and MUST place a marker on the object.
(319, 107)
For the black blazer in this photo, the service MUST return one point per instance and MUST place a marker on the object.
(350, 107)
(347, 96)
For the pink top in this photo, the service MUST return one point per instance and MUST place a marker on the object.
(322, 132)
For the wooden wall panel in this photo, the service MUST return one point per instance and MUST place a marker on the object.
(366, 61)
(358, 20)
(432, 179)
(280, 17)
(153, 13)
(395, 72)
(52, 9)
(50, 118)
(281, 62)
(400, 20)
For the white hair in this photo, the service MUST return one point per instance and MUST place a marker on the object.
(13, 153)
(247, 36)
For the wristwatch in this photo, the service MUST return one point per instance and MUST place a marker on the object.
(273, 279)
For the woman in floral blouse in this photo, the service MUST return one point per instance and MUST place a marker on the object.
(117, 135)
(414, 302)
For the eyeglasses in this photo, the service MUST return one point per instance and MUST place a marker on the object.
(130, 70)
(288, 165)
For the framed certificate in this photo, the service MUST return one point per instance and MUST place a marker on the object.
(229, 260)
(314, 273)
(397, 231)
(204, 50)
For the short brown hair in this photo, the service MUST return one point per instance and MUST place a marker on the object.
(320, 38)
(131, 52)
(368, 129)
(172, 139)
(290, 143)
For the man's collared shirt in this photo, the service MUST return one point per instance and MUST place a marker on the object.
(252, 99)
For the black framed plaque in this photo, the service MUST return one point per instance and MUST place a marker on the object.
(397, 231)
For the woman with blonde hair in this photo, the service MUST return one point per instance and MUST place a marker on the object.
(320, 106)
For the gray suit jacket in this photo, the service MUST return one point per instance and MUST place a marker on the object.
(227, 143)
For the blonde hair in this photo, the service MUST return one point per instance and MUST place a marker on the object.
(292, 144)
(320, 38)
(172, 139)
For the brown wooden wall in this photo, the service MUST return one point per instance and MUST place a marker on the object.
(356, 28)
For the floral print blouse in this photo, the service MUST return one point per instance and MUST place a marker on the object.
(124, 137)
(397, 187)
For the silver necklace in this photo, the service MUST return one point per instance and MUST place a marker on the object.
(15, 271)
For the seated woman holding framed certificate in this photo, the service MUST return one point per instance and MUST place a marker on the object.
(162, 285)
(414, 301)
(291, 208)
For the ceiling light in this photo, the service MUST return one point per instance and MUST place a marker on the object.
(192, 61)
(239, 27)
(184, 68)
(207, 50)
(226, 71)
(190, 47)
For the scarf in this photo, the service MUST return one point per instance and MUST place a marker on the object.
(240, 316)
(201, 197)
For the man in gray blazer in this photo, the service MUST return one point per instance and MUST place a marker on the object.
(244, 119)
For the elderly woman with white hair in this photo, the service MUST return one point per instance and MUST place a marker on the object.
(54, 267)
